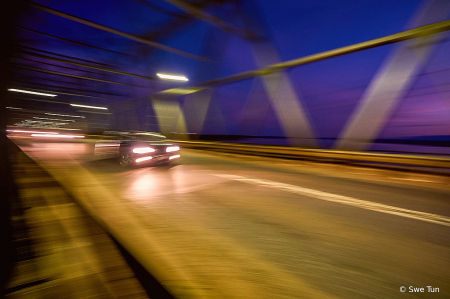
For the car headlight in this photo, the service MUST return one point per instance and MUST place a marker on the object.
(143, 159)
(172, 149)
(143, 150)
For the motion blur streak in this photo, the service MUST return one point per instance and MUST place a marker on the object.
(33, 92)
(368, 205)
(103, 145)
(143, 159)
(64, 115)
(57, 136)
(35, 132)
(88, 106)
(174, 157)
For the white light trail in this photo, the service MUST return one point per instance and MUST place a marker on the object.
(33, 92)
(87, 106)
(57, 136)
(35, 132)
(104, 145)
(143, 159)
(48, 113)
(53, 119)
(91, 107)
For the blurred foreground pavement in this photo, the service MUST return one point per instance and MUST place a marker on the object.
(61, 252)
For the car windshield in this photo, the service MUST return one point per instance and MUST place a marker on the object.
(147, 136)
(144, 136)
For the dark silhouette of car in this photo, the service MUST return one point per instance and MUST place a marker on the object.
(136, 148)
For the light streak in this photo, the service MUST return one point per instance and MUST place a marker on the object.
(172, 77)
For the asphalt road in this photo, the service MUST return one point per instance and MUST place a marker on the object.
(249, 227)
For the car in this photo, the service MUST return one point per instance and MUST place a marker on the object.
(136, 148)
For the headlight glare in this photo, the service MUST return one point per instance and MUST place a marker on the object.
(172, 149)
(143, 150)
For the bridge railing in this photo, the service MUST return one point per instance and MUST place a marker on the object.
(416, 163)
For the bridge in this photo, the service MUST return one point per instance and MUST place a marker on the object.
(314, 136)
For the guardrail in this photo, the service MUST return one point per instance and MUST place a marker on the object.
(439, 165)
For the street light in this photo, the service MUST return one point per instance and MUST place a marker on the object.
(172, 77)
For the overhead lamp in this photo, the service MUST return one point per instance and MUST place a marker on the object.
(172, 77)
(33, 92)
(91, 107)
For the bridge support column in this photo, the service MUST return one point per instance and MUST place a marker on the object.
(170, 116)
(284, 99)
(195, 108)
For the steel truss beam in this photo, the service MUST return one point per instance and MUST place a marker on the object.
(390, 39)
(73, 76)
(60, 55)
(22, 76)
(65, 88)
(86, 65)
(168, 28)
(164, 31)
(56, 65)
(71, 41)
(117, 32)
(161, 10)
(387, 40)
(213, 20)
(58, 92)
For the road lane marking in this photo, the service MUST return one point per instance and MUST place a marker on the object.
(413, 180)
(363, 204)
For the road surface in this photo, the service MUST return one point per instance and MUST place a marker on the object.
(248, 227)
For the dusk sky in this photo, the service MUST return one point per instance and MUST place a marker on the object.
(329, 90)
